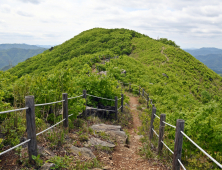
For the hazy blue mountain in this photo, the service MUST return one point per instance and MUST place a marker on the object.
(13, 56)
(204, 51)
(21, 46)
(211, 57)
(45, 46)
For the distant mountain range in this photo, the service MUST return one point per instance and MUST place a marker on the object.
(12, 54)
(211, 57)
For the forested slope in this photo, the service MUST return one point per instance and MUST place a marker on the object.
(180, 85)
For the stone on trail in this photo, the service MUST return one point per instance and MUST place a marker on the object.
(47, 166)
(113, 130)
(85, 152)
(94, 141)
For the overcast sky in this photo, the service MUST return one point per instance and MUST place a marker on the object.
(190, 23)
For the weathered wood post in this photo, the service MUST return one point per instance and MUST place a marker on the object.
(116, 105)
(151, 122)
(178, 144)
(147, 101)
(31, 128)
(122, 102)
(84, 96)
(65, 109)
(143, 92)
(161, 132)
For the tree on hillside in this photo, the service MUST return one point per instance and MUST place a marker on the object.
(168, 42)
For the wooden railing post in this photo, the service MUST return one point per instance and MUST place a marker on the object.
(31, 128)
(84, 96)
(143, 92)
(116, 105)
(151, 122)
(178, 144)
(65, 109)
(161, 132)
(147, 102)
(122, 102)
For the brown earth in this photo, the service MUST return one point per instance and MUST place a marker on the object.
(126, 156)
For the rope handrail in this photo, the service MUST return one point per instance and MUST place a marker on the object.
(202, 150)
(92, 108)
(181, 164)
(15, 147)
(43, 104)
(100, 97)
(49, 127)
(146, 93)
(119, 98)
(119, 107)
(169, 124)
(15, 110)
(70, 115)
(157, 116)
(155, 132)
(167, 147)
(75, 97)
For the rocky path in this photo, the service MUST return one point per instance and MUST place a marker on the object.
(126, 156)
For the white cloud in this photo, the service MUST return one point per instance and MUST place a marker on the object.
(52, 21)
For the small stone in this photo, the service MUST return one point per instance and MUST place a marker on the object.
(47, 166)
(95, 141)
(107, 168)
(85, 152)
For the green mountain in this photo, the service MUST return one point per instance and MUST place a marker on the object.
(13, 56)
(204, 51)
(181, 86)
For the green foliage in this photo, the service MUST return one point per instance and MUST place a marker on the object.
(38, 160)
(60, 162)
(168, 42)
(205, 96)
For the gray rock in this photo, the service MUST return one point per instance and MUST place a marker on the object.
(95, 141)
(82, 151)
(105, 128)
(47, 166)
(165, 75)
(113, 130)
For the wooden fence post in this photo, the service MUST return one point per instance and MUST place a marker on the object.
(161, 132)
(143, 92)
(84, 96)
(116, 105)
(31, 128)
(178, 144)
(65, 109)
(122, 102)
(151, 122)
(147, 102)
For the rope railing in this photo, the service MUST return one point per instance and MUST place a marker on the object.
(157, 116)
(119, 107)
(100, 97)
(70, 115)
(74, 97)
(15, 110)
(169, 125)
(202, 150)
(181, 164)
(155, 132)
(50, 127)
(15, 147)
(44, 104)
(167, 147)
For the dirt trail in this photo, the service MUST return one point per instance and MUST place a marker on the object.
(127, 157)
(164, 54)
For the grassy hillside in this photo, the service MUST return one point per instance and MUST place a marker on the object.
(190, 91)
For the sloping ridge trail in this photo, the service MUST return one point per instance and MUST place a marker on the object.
(163, 48)
(127, 157)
